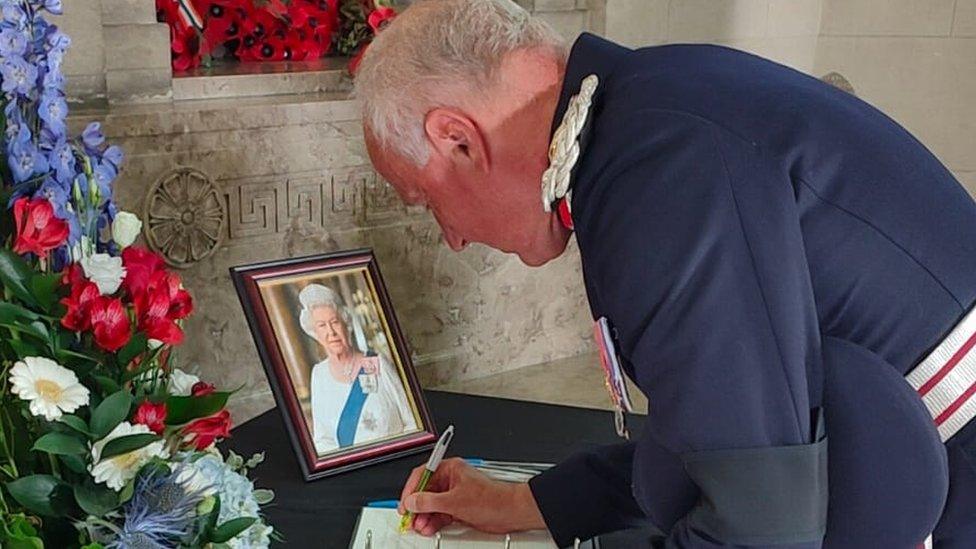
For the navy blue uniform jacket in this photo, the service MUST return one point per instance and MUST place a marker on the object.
(766, 247)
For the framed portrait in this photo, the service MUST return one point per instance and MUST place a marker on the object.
(336, 360)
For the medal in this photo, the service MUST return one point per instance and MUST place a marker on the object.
(614, 379)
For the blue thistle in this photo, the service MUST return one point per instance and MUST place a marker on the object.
(159, 515)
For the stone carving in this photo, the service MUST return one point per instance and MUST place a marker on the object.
(185, 216)
(268, 205)
(838, 81)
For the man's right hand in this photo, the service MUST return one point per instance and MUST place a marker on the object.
(458, 492)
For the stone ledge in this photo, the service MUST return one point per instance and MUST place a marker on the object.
(214, 115)
(236, 80)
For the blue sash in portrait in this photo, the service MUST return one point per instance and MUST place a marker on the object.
(349, 418)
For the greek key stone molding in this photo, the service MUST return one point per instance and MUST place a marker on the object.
(838, 81)
(268, 205)
(185, 216)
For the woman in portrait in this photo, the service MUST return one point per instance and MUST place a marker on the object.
(356, 398)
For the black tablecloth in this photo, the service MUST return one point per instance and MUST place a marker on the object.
(323, 513)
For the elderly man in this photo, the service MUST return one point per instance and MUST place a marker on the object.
(782, 266)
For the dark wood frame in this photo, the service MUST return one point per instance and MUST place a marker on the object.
(246, 279)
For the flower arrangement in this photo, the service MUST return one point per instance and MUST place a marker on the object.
(103, 442)
(269, 30)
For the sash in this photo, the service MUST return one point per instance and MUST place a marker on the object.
(349, 418)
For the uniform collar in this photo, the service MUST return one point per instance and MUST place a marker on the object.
(590, 55)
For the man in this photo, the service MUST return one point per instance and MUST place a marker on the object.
(781, 263)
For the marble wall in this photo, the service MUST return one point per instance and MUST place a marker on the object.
(916, 61)
(783, 30)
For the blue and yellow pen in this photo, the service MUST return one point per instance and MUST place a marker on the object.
(435, 460)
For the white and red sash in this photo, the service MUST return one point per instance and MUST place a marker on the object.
(946, 378)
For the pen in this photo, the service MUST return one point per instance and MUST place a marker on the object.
(435, 460)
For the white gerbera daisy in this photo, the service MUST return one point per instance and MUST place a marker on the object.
(51, 388)
(117, 470)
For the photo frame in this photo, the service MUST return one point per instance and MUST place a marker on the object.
(336, 360)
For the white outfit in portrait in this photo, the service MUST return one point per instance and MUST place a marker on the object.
(385, 412)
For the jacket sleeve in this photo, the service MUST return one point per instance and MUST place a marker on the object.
(588, 494)
(696, 256)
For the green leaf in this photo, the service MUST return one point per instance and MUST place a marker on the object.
(211, 521)
(25, 348)
(60, 444)
(112, 411)
(107, 384)
(263, 496)
(67, 356)
(15, 275)
(30, 328)
(75, 423)
(229, 529)
(74, 463)
(94, 499)
(135, 347)
(42, 494)
(127, 491)
(182, 409)
(126, 444)
(44, 288)
(13, 313)
(19, 533)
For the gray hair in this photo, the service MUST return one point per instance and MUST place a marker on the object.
(317, 295)
(440, 53)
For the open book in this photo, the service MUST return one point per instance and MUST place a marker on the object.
(381, 528)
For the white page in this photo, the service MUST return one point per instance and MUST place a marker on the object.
(385, 527)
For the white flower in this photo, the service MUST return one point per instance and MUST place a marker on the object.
(117, 470)
(193, 480)
(181, 383)
(125, 229)
(105, 271)
(51, 388)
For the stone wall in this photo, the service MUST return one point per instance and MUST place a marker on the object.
(286, 175)
(783, 30)
(916, 61)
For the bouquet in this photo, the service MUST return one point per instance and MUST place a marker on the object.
(103, 442)
(269, 30)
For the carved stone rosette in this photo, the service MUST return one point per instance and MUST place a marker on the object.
(185, 215)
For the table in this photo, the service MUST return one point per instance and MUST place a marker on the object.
(323, 513)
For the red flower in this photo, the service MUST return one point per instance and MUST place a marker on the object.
(72, 275)
(38, 230)
(152, 416)
(380, 18)
(79, 302)
(202, 433)
(202, 388)
(140, 264)
(109, 323)
(162, 302)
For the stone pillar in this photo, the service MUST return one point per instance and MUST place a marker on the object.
(137, 58)
(570, 17)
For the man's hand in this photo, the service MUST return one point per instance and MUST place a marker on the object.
(458, 492)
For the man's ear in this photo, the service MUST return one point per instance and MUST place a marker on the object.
(456, 137)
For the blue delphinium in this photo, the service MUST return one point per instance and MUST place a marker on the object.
(76, 174)
(25, 160)
(13, 43)
(19, 76)
(160, 513)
